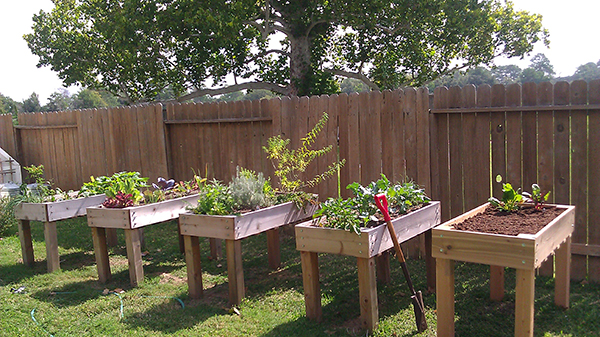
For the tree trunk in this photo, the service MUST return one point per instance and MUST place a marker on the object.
(300, 66)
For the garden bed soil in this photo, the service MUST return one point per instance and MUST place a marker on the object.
(524, 221)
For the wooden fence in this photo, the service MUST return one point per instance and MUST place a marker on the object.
(544, 133)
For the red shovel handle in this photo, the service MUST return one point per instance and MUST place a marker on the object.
(382, 204)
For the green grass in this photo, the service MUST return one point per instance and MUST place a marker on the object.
(70, 301)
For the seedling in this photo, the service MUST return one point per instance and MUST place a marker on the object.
(536, 197)
(511, 199)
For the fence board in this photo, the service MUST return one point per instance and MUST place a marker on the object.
(329, 187)
(579, 173)
(410, 132)
(594, 179)
(481, 147)
(423, 141)
(442, 192)
(7, 136)
(469, 144)
(529, 120)
(498, 139)
(513, 136)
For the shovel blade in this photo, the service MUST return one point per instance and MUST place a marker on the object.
(419, 308)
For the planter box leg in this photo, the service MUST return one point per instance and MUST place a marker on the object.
(134, 256)
(26, 243)
(111, 237)
(562, 281)
(101, 251)
(235, 271)
(181, 239)
(367, 288)
(273, 249)
(52, 258)
(216, 248)
(310, 281)
(194, 267)
(429, 263)
(445, 297)
(383, 268)
(496, 283)
(524, 309)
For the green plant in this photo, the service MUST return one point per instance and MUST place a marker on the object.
(214, 199)
(339, 213)
(250, 190)
(290, 164)
(7, 215)
(129, 184)
(537, 197)
(511, 199)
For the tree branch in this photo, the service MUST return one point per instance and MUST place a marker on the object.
(358, 76)
(312, 25)
(267, 52)
(237, 87)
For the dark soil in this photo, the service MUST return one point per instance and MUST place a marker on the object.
(525, 221)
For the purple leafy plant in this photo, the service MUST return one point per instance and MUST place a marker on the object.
(163, 185)
(120, 200)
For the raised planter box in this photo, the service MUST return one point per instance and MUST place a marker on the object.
(49, 213)
(524, 252)
(372, 242)
(132, 220)
(232, 229)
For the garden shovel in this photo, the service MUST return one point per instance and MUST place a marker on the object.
(417, 297)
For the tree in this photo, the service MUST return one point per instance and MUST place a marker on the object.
(32, 104)
(507, 74)
(8, 105)
(89, 99)
(137, 48)
(59, 101)
(587, 72)
(540, 70)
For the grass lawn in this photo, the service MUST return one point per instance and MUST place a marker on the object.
(71, 301)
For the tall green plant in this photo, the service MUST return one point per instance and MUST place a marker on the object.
(290, 164)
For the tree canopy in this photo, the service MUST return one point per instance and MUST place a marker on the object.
(138, 48)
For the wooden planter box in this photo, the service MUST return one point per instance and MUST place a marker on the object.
(525, 252)
(372, 242)
(132, 220)
(49, 213)
(232, 229)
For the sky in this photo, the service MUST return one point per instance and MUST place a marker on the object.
(569, 24)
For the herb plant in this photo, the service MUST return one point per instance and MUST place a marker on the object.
(511, 199)
(214, 199)
(537, 197)
(250, 190)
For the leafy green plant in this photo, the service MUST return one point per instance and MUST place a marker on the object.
(290, 164)
(120, 200)
(129, 184)
(214, 199)
(361, 210)
(537, 197)
(511, 199)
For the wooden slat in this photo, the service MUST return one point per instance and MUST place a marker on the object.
(397, 137)
(352, 167)
(513, 137)
(594, 179)
(524, 302)
(134, 256)
(579, 170)
(363, 134)
(529, 120)
(481, 148)
(410, 132)
(562, 282)
(445, 297)
(367, 288)
(388, 137)
(194, 266)
(330, 187)
(527, 108)
(498, 127)
(372, 162)
(423, 140)
(344, 143)
(470, 156)
(235, 271)
(312, 288)
(101, 253)
(442, 192)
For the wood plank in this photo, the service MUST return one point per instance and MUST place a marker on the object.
(546, 154)
(364, 134)
(312, 288)
(482, 149)
(471, 170)
(429, 262)
(235, 271)
(51, 240)
(353, 161)
(344, 143)
(585, 249)
(498, 125)
(513, 137)
(26, 243)
(529, 120)
(273, 250)
(388, 136)
(373, 159)
(397, 137)
(553, 234)
(383, 268)
(578, 154)
(442, 192)
(456, 159)
(134, 257)
(594, 179)
(423, 141)
(367, 288)
(216, 249)
(194, 266)
(101, 253)
(150, 214)
(330, 187)
(410, 132)
(445, 297)
(562, 281)
(496, 283)
(524, 302)
(212, 132)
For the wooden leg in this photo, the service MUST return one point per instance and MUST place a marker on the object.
(181, 239)
(496, 283)
(140, 232)
(383, 268)
(429, 263)
(445, 297)
(26, 243)
(312, 288)
(134, 256)
(52, 258)
(547, 267)
(524, 293)
(235, 271)
(216, 248)
(367, 288)
(111, 237)
(562, 280)
(194, 267)
(273, 249)
(101, 251)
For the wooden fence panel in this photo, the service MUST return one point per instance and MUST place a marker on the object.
(498, 123)
(594, 181)
(513, 136)
(7, 136)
